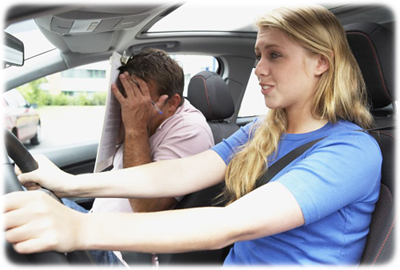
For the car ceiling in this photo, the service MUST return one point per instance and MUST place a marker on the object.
(98, 29)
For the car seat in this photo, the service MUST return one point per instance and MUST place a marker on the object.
(373, 47)
(208, 92)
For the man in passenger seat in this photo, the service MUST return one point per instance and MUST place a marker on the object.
(158, 124)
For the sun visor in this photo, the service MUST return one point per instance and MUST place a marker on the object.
(99, 42)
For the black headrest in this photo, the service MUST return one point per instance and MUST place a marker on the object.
(373, 47)
(208, 92)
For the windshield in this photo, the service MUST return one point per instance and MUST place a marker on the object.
(221, 15)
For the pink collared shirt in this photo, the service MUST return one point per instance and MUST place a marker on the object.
(184, 134)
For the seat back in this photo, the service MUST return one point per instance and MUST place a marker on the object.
(380, 246)
(208, 92)
(373, 48)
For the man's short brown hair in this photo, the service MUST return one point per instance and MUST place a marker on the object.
(154, 65)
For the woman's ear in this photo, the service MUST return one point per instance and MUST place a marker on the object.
(322, 65)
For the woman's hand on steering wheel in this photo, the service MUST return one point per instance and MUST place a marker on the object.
(48, 176)
(34, 222)
(26, 226)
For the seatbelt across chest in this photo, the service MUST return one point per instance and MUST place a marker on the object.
(283, 162)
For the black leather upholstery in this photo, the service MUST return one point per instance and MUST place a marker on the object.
(373, 47)
(380, 246)
(208, 92)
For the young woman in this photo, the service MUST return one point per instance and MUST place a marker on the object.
(315, 211)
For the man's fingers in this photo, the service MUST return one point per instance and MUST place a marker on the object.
(130, 86)
(117, 93)
(161, 101)
(135, 81)
(142, 85)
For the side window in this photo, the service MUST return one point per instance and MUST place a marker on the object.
(253, 101)
(70, 104)
(192, 64)
(14, 99)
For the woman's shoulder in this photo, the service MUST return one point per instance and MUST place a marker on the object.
(351, 134)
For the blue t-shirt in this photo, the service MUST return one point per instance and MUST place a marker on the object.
(336, 184)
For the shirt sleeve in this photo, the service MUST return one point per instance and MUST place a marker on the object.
(183, 140)
(227, 148)
(339, 170)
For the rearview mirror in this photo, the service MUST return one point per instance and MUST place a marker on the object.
(13, 50)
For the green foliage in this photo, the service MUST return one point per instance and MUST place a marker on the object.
(99, 98)
(59, 100)
(35, 95)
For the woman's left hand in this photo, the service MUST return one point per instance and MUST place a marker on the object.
(35, 222)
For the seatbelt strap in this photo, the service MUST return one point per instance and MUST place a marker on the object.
(283, 162)
(295, 153)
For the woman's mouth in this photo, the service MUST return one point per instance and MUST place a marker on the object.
(265, 89)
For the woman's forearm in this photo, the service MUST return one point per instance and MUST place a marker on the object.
(170, 178)
(179, 231)
(53, 226)
(193, 229)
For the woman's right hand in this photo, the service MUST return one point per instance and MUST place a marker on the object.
(48, 176)
(34, 222)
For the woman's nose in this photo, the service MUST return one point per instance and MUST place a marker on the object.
(262, 69)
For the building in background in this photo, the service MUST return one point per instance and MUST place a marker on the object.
(93, 78)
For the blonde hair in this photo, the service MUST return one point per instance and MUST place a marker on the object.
(340, 93)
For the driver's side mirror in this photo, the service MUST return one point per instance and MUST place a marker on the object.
(13, 50)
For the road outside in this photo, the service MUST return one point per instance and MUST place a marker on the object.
(62, 125)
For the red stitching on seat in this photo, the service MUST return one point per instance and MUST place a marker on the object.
(382, 132)
(206, 93)
(384, 242)
(376, 59)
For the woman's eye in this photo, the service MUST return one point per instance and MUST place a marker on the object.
(258, 58)
(274, 55)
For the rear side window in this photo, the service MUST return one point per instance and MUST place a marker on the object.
(253, 103)
(193, 64)
(71, 103)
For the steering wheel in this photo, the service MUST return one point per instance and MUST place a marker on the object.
(21, 156)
